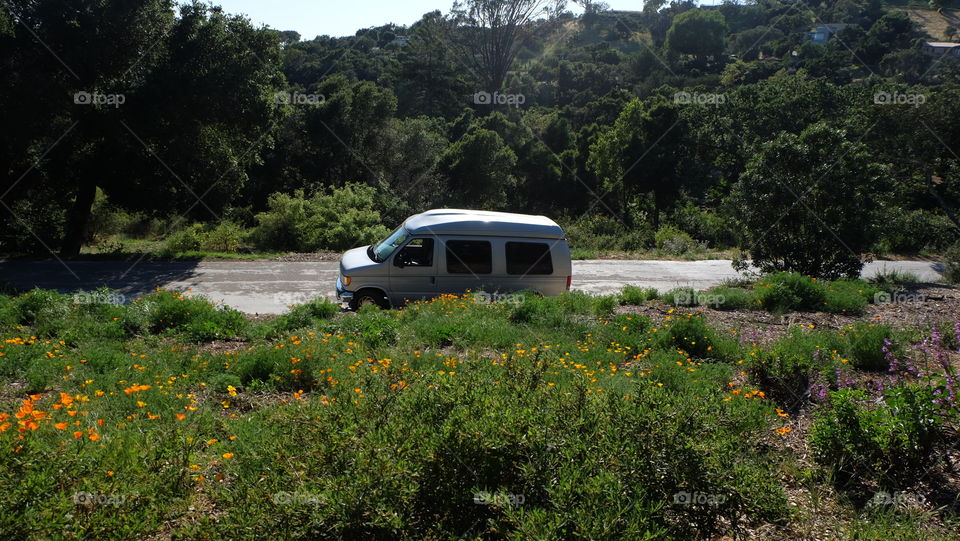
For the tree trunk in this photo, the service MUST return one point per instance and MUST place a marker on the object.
(79, 217)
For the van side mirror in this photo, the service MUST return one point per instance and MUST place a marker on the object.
(398, 262)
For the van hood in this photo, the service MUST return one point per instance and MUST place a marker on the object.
(356, 261)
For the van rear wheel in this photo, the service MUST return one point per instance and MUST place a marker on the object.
(369, 297)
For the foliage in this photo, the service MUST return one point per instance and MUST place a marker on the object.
(865, 346)
(789, 206)
(336, 220)
(784, 291)
(890, 441)
(637, 295)
(673, 241)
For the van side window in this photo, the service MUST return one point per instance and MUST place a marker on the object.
(469, 257)
(417, 253)
(529, 258)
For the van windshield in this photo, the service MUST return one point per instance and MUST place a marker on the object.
(380, 251)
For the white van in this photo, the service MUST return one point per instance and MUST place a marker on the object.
(453, 251)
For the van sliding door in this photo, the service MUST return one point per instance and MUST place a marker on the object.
(467, 265)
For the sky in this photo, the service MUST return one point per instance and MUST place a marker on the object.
(312, 18)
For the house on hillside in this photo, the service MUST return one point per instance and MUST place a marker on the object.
(823, 32)
(940, 48)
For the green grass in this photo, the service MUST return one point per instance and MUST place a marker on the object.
(549, 417)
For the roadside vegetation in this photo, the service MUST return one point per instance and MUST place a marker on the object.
(540, 418)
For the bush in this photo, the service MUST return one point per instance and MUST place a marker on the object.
(691, 334)
(910, 231)
(889, 280)
(889, 442)
(44, 310)
(673, 241)
(304, 315)
(370, 325)
(784, 291)
(637, 295)
(704, 225)
(729, 298)
(604, 234)
(849, 296)
(788, 368)
(226, 237)
(336, 220)
(186, 240)
(172, 312)
(864, 346)
(681, 296)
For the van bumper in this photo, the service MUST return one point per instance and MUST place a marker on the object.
(343, 296)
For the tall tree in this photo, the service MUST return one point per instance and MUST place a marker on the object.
(488, 33)
(165, 113)
(643, 153)
(697, 32)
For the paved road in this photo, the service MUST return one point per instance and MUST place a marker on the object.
(268, 287)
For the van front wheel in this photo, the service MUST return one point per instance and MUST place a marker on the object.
(369, 297)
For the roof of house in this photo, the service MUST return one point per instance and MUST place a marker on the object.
(942, 44)
(482, 222)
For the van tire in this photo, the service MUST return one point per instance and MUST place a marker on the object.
(368, 297)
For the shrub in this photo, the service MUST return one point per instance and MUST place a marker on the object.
(186, 240)
(787, 369)
(370, 325)
(784, 291)
(864, 346)
(195, 317)
(906, 231)
(849, 296)
(704, 225)
(637, 295)
(673, 241)
(44, 310)
(681, 296)
(729, 298)
(303, 315)
(889, 442)
(225, 237)
(603, 234)
(891, 279)
(336, 220)
(691, 334)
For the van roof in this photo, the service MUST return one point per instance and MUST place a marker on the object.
(482, 222)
